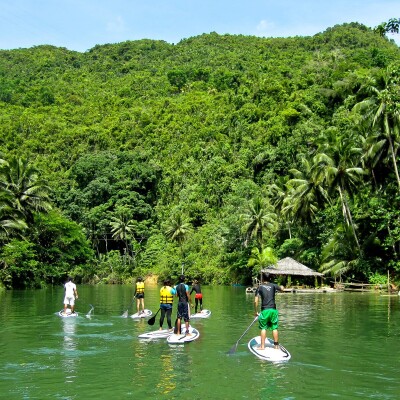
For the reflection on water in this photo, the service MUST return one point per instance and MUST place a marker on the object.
(69, 348)
(167, 382)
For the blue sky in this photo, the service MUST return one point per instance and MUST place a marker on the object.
(81, 24)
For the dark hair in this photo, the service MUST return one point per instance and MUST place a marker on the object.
(139, 279)
(182, 279)
(167, 282)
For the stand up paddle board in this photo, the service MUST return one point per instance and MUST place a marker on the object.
(201, 314)
(146, 313)
(159, 334)
(269, 353)
(176, 338)
(68, 313)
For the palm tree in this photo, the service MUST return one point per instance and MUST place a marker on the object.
(381, 109)
(20, 180)
(306, 193)
(373, 149)
(177, 230)
(11, 221)
(339, 171)
(122, 229)
(257, 219)
(260, 259)
(277, 194)
(338, 255)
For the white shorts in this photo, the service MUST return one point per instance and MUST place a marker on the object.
(69, 300)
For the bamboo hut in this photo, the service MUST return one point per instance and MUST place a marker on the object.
(289, 267)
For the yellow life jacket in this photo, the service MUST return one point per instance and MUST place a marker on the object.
(165, 295)
(139, 287)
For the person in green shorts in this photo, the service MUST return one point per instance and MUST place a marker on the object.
(268, 318)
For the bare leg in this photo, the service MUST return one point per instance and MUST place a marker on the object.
(275, 336)
(263, 337)
(142, 302)
(178, 327)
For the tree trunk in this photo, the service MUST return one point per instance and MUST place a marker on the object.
(392, 152)
(349, 217)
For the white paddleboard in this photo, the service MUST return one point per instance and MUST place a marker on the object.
(67, 314)
(269, 353)
(146, 313)
(182, 338)
(201, 314)
(159, 334)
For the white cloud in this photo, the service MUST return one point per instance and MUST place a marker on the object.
(117, 25)
(264, 27)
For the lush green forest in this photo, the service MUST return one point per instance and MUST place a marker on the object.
(217, 155)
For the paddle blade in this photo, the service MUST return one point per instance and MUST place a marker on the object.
(153, 318)
(233, 349)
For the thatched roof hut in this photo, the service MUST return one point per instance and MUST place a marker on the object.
(288, 266)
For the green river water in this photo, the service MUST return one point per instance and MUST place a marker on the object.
(343, 346)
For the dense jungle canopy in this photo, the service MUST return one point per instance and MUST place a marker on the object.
(216, 155)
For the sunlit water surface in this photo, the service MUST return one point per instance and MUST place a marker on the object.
(343, 346)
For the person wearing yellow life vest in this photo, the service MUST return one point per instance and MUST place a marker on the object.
(139, 295)
(166, 299)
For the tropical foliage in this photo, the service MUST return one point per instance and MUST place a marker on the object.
(213, 156)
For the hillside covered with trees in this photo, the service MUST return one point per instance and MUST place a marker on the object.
(216, 155)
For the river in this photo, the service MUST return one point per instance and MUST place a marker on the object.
(343, 345)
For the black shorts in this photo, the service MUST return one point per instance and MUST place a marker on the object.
(140, 295)
(183, 311)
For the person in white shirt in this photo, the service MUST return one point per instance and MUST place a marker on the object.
(70, 295)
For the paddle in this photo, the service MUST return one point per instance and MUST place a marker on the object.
(152, 320)
(234, 347)
(125, 314)
(89, 314)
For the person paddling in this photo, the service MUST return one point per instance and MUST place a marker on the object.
(139, 295)
(182, 292)
(166, 299)
(198, 296)
(70, 295)
(268, 318)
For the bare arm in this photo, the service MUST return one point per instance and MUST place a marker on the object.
(256, 305)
